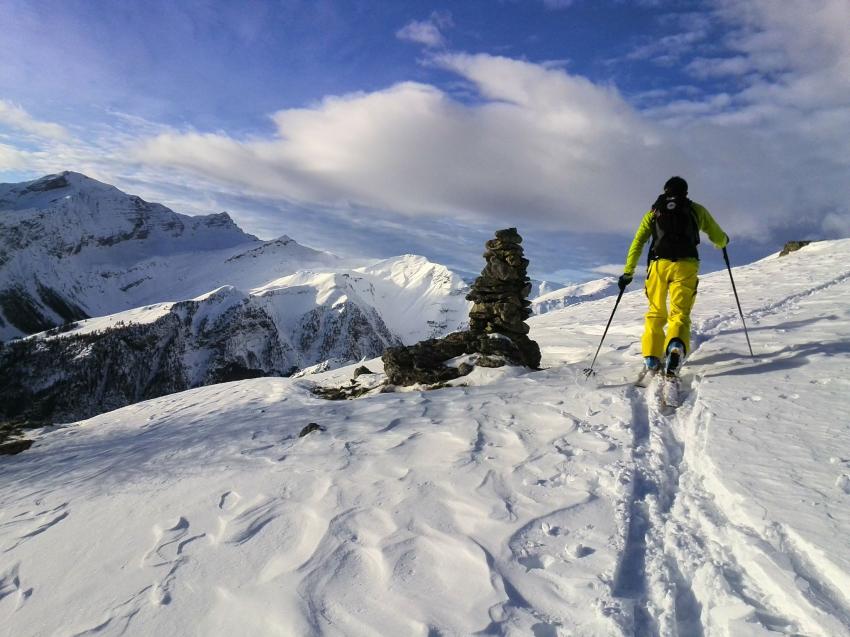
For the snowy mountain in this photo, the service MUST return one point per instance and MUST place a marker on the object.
(296, 322)
(518, 503)
(572, 294)
(72, 247)
(209, 302)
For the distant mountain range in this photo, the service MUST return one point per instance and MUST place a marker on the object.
(107, 299)
(572, 294)
(130, 300)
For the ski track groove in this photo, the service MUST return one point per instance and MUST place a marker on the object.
(709, 326)
(658, 459)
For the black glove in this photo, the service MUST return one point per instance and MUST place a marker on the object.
(624, 280)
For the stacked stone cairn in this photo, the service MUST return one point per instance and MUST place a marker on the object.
(497, 334)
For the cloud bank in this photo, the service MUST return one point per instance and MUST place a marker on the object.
(537, 144)
(513, 142)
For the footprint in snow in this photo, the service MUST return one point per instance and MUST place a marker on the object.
(13, 594)
(243, 522)
(167, 554)
(228, 500)
(29, 524)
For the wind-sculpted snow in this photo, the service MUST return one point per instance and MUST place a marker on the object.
(518, 503)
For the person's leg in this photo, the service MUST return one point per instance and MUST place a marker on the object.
(683, 291)
(652, 343)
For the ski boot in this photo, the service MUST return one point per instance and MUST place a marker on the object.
(675, 356)
(651, 365)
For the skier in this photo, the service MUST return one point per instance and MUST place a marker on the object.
(674, 223)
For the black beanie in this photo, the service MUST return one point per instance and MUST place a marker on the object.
(676, 186)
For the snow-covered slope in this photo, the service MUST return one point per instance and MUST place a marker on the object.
(72, 247)
(572, 294)
(415, 298)
(524, 503)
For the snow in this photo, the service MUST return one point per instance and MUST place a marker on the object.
(572, 294)
(124, 261)
(107, 251)
(515, 503)
(415, 298)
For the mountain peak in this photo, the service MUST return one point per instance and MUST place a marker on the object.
(64, 179)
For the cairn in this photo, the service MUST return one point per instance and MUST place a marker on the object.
(497, 331)
(500, 296)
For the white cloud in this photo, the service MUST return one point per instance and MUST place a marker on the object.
(529, 145)
(717, 67)
(669, 48)
(535, 145)
(422, 33)
(803, 44)
(16, 117)
(427, 32)
(11, 158)
(540, 146)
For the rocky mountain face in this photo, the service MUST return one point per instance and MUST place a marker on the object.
(121, 287)
(70, 374)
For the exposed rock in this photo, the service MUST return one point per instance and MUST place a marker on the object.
(497, 329)
(310, 428)
(51, 182)
(344, 392)
(465, 368)
(423, 362)
(793, 246)
(362, 370)
(76, 376)
(15, 446)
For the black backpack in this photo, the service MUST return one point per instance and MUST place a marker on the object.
(675, 229)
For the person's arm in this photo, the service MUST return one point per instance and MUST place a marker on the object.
(710, 227)
(643, 233)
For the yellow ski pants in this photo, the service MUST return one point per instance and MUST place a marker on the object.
(679, 280)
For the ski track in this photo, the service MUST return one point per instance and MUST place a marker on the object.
(675, 524)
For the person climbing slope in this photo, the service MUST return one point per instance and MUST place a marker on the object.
(674, 223)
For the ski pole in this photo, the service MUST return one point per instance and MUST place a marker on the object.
(740, 311)
(588, 371)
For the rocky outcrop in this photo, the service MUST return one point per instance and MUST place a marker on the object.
(82, 369)
(497, 334)
(793, 246)
(72, 376)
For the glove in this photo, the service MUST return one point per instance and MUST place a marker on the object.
(624, 280)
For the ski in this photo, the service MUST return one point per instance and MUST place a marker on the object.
(645, 377)
(670, 390)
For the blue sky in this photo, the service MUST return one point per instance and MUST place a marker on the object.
(376, 128)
